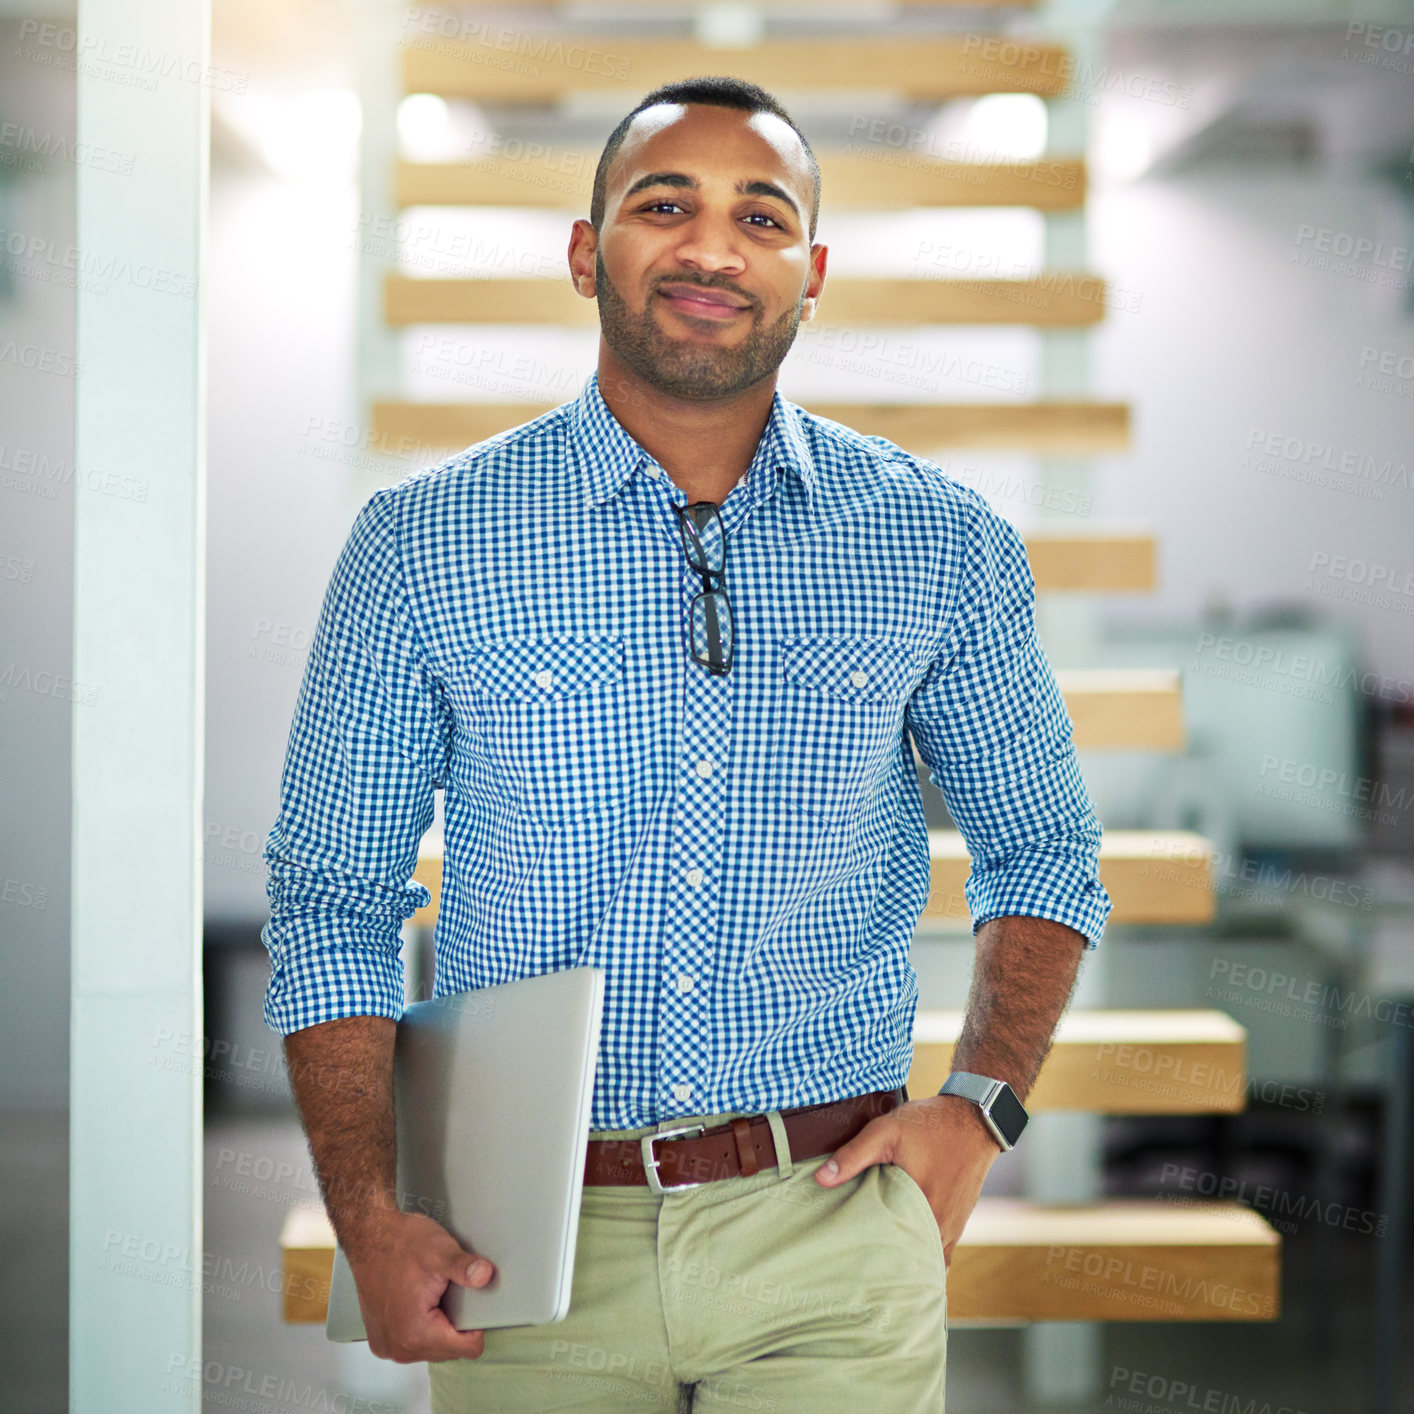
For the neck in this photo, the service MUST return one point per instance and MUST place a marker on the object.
(705, 445)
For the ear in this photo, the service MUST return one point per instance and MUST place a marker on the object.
(816, 283)
(584, 241)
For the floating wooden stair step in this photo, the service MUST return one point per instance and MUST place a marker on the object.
(792, 7)
(307, 1245)
(1016, 1262)
(1113, 1062)
(550, 66)
(1150, 876)
(531, 300)
(1102, 560)
(1121, 709)
(450, 425)
(1115, 1261)
(1052, 428)
(1131, 709)
(1055, 299)
(873, 177)
(428, 872)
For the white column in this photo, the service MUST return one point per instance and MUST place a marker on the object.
(380, 39)
(1063, 1360)
(135, 1235)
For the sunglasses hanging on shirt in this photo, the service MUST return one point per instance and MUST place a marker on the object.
(709, 620)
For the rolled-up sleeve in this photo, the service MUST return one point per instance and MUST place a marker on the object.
(993, 730)
(367, 750)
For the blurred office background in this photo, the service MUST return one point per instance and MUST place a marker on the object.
(1250, 203)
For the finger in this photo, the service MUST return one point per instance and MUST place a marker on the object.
(447, 1345)
(869, 1146)
(441, 1340)
(428, 1334)
(433, 1336)
(467, 1269)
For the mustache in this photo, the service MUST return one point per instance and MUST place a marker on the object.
(703, 285)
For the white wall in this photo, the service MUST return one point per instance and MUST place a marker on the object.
(1230, 338)
(1234, 338)
(36, 566)
(282, 361)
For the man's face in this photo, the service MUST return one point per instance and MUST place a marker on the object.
(703, 268)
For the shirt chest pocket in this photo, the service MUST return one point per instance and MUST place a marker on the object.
(551, 714)
(839, 725)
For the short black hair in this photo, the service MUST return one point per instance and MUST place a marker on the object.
(718, 91)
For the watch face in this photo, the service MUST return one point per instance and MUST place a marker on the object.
(1008, 1115)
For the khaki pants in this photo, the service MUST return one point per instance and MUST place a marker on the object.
(768, 1293)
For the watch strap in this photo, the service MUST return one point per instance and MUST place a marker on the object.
(977, 1088)
(982, 1091)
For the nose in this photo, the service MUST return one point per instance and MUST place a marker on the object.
(711, 244)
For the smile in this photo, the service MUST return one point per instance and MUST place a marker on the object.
(706, 305)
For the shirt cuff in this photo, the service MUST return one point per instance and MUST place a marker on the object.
(1041, 882)
(311, 985)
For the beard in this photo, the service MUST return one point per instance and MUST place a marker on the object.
(688, 368)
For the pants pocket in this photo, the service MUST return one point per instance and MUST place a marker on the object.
(916, 1200)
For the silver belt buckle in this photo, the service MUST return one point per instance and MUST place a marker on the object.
(650, 1159)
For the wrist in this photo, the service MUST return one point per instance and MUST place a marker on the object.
(963, 1121)
(361, 1212)
(1001, 1113)
(367, 1232)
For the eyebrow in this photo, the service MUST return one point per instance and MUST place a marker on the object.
(743, 188)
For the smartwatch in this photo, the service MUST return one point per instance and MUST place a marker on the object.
(1001, 1110)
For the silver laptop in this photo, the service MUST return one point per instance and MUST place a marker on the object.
(492, 1090)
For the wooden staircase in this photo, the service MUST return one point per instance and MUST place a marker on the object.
(1018, 1261)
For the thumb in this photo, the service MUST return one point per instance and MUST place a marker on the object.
(867, 1147)
(467, 1269)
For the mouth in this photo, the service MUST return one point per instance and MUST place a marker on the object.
(703, 303)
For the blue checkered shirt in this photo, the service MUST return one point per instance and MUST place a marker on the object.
(746, 855)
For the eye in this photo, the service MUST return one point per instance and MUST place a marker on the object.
(668, 202)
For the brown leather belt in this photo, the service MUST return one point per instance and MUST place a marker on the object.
(667, 1158)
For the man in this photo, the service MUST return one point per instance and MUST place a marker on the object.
(659, 648)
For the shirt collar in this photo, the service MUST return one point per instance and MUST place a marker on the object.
(607, 455)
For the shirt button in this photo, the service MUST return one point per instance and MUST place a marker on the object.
(703, 769)
(654, 471)
(695, 877)
(682, 1090)
(544, 678)
(859, 677)
(684, 982)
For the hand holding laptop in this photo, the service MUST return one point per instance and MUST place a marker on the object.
(494, 1092)
(403, 1268)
